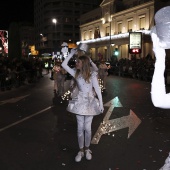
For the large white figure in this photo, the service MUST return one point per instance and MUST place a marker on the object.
(159, 96)
(161, 40)
(64, 49)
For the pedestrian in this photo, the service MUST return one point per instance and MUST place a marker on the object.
(73, 86)
(160, 38)
(85, 105)
(103, 73)
(59, 75)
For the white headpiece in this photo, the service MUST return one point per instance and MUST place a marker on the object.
(162, 27)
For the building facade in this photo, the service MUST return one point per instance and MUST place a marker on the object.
(27, 33)
(107, 27)
(57, 21)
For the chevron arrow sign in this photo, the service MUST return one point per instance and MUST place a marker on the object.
(131, 121)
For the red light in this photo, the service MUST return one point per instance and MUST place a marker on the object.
(135, 51)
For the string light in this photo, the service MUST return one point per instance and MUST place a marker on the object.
(66, 95)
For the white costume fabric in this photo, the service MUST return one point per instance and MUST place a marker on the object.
(84, 130)
(85, 102)
(94, 67)
(167, 164)
(64, 49)
(159, 97)
(74, 89)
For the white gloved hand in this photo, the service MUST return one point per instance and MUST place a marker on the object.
(90, 59)
(101, 108)
(73, 51)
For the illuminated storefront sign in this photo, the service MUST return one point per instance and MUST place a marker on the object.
(135, 42)
(4, 40)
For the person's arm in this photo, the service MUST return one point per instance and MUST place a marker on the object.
(159, 96)
(97, 90)
(53, 69)
(94, 67)
(65, 63)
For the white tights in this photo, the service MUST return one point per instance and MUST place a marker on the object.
(84, 130)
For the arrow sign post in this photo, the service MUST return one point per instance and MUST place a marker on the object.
(107, 126)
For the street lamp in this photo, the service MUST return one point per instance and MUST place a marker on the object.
(54, 20)
(42, 39)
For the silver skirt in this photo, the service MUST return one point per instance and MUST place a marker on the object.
(84, 104)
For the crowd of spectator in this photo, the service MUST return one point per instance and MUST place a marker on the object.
(141, 68)
(137, 68)
(17, 72)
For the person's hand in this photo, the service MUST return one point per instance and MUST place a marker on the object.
(101, 108)
(90, 59)
(73, 51)
(158, 50)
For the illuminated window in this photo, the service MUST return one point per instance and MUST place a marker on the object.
(142, 23)
(130, 25)
(107, 31)
(119, 28)
(90, 34)
(107, 18)
(84, 35)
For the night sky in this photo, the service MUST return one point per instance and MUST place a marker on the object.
(16, 11)
(23, 11)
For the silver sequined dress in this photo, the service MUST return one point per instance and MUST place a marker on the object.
(85, 102)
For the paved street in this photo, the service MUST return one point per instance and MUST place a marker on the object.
(37, 133)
